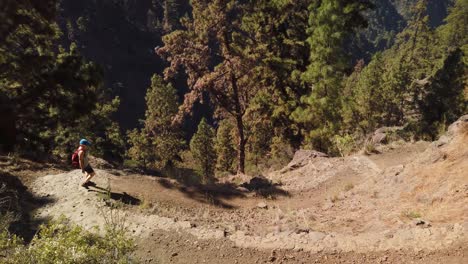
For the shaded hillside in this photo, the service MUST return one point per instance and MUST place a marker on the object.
(437, 9)
(387, 19)
(121, 36)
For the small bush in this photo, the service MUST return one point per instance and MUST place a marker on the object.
(370, 148)
(345, 144)
(63, 242)
(411, 214)
(348, 187)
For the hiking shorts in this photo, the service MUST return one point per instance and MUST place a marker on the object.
(89, 169)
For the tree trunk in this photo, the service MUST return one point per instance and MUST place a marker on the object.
(240, 126)
(241, 145)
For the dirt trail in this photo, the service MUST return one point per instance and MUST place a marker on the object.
(406, 204)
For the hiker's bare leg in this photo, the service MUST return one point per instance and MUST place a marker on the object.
(89, 177)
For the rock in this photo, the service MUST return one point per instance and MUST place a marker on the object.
(328, 205)
(316, 236)
(186, 224)
(379, 138)
(174, 254)
(262, 205)
(422, 223)
(458, 127)
(301, 158)
(301, 230)
(220, 234)
(242, 189)
(99, 163)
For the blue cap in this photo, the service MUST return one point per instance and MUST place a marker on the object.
(85, 142)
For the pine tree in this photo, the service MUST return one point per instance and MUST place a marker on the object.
(202, 147)
(141, 149)
(279, 28)
(225, 148)
(445, 99)
(229, 83)
(162, 106)
(330, 22)
(454, 33)
(52, 93)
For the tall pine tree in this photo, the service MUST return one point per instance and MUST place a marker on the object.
(211, 51)
(330, 23)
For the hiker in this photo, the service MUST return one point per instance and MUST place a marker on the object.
(84, 161)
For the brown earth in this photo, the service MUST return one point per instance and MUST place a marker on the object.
(405, 205)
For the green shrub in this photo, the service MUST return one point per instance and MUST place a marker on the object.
(225, 148)
(63, 242)
(345, 144)
(411, 214)
(202, 147)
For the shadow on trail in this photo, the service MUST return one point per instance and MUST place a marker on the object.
(17, 199)
(121, 197)
(216, 193)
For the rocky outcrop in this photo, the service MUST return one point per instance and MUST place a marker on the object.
(380, 136)
(302, 158)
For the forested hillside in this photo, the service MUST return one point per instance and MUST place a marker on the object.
(121, 35)
(269, 76)
(233, 131)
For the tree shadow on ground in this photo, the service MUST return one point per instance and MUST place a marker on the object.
(124, 197)
(216, 193)
(22, 203)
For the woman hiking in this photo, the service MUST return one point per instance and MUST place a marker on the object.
(84, 161)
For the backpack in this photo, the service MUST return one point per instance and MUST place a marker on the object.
(75, 159)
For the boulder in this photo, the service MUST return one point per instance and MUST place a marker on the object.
(262, 205)
(302, 158)
(458, 127)
(99, 163)
(380, 136)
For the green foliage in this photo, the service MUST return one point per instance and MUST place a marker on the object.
(162, 106)
(97, 126)
(159, 143)
(62, 242)
(202, 147)
(281, 152)
(260, 135)
(419, 82)
(140, 150)
(454, 33)
(54, 95)
(225, 148)
(445, 100)
(330, 22)
(345, 144)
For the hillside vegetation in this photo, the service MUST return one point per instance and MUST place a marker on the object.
(301, 125)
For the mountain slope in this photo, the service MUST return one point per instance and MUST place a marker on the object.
(121, 36)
